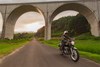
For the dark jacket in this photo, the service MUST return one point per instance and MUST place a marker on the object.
(65, 39)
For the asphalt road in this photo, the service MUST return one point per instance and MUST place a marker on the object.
(35, 54)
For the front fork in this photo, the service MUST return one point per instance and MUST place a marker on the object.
(72, 48)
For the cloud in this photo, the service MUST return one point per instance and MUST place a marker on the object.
(28, 21)
(32, 21)
(30, 17)
(33, 27)
(66, 13)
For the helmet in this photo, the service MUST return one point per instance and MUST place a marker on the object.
(65, 32)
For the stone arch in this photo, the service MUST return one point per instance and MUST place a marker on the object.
(82, 9)
(14, 15)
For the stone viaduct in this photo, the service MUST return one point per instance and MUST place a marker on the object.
(88, 8)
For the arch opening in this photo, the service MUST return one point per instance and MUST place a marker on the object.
(71, 21)
(28, 22)
(15, 14)
(83, 10)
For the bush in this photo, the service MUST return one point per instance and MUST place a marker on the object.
(96, 38)
(85, 36)
(76, 25)
(23, 35)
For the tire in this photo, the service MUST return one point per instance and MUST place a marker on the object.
(75, 55)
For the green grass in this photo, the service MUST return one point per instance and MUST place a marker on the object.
(91, 56)
(52, 43)
(7, 46)
(57, 34)
(87, 48)
(92, 46)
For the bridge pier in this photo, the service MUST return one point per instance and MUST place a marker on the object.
(95, 29)
(12, 12)
(7, 31)
(47, 30)
(94, 25)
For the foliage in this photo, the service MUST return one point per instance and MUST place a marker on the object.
(52, 43)
(20, 39)
(91, 46)
(40, 32)
(7, 46)
(61, 24)
(87, 48)
(87, 36)
(76, 25)
(91, 56)
(24, 35)
(79, 25)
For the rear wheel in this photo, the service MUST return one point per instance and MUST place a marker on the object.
(75, 55)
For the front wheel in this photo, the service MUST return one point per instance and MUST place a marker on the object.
(74, 55)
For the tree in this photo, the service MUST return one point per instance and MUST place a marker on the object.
(79, 25)
(76, 25)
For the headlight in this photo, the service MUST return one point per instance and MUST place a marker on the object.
(72, 42)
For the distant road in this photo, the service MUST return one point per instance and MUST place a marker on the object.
(35, 54)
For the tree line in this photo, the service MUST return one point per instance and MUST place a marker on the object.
(76, 25)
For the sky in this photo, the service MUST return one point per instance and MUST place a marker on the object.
(29, 22)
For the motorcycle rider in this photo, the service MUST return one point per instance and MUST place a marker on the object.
(65, 38)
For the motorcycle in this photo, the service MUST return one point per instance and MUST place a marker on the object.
(70, 49)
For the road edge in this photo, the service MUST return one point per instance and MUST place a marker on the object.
(13, 52)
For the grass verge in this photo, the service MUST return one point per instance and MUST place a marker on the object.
(91, 56)
(7, 46)
(88, 48)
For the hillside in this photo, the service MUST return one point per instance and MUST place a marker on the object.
(76, 25)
